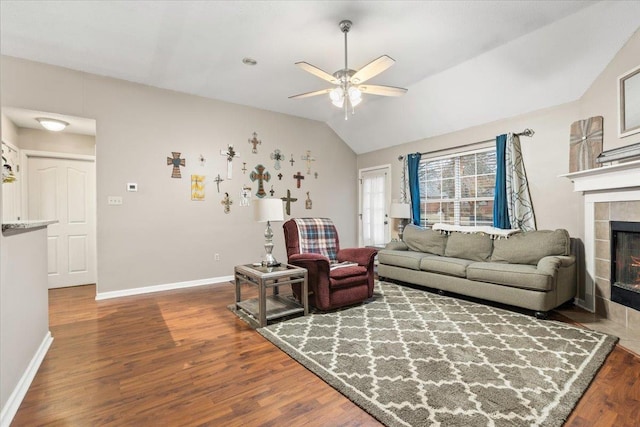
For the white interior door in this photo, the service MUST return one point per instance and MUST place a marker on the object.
(64, 189)
(375, 199)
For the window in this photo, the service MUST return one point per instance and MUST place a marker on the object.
(458, 189)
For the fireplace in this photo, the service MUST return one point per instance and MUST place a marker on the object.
(625, 263)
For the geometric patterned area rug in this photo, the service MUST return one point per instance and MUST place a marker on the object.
(414, 358)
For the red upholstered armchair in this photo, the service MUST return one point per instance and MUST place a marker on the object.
(312, 243)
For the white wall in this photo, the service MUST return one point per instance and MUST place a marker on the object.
(159, 236)
(59, 142)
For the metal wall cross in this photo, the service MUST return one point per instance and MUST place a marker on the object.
(260, 175)
(254, 141)
(277, 156)
(309, 159)
(176, 161)
(288, 200)
(292, 161)
(230, 153)
(218, 180)
(226, 202)
(299, 177)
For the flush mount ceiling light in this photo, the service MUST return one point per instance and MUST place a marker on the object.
(53, 125)
(249, 61)
(349, 90)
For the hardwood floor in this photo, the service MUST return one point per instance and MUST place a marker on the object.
(180, 358)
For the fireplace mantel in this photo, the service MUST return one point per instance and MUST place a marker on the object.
(607, 184)
(623, 175)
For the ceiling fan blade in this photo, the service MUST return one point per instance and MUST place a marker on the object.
(372, 69)
(382, 90)
(317, 72)
(308, 94)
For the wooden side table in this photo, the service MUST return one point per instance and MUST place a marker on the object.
(266, 308)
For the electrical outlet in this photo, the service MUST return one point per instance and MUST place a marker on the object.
(216, 257)
(114, 200)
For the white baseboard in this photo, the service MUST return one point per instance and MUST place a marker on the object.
(15, 399)
(160, 288)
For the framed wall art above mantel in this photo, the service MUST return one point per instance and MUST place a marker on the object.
(629, 103)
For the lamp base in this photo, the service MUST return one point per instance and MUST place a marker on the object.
(269, 260)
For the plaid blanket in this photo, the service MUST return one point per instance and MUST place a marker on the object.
(318, 236)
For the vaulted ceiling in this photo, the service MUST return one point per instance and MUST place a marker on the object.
(464, 62)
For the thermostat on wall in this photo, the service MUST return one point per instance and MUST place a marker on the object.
(132, 186)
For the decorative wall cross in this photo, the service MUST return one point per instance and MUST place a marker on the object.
(197, 187)
(176, 161)
(230, 153)
(292, 161)
(226, 202)
(218, 180)
(309, 159)
(272, 191)
(315, 174)
(298, 176)
(244, 168)
(277, 156)
(255, 141)
(260, 175)
(280, 177)
(288, 200)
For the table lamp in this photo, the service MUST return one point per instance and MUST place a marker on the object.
(267, 210)
(400, 211)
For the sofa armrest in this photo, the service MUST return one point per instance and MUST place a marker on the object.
(363, 256)
(551, 264)
(397, 246)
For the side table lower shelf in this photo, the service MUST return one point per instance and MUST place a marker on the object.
(277, 306)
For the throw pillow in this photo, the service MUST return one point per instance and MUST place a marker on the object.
(424, 240)
(471, 246)
(530, 247)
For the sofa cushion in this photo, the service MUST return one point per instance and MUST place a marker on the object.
(445, 265)
(406, 259)
(530, 247)
(473, 246)
(514, 275)
(424, 240)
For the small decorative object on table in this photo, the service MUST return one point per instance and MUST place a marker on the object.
(267, 210)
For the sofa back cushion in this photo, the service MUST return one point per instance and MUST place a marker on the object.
(472, 246)
(424, 240)
(531, 246)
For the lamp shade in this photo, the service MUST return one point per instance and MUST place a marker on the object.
(400, 210)
(268, 210)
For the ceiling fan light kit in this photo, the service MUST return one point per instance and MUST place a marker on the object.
(349, 90)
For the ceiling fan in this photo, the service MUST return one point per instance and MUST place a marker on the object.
(350, 83)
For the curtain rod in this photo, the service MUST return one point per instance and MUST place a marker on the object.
(527, 132)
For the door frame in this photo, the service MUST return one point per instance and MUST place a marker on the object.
(387, 169)
(24, 160)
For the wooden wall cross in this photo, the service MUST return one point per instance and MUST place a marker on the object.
(226, 202)
(218, 180)
(292, 161)
(260, 175)
(299, 177)
(176, 161)
(230, 154)
(309, 159)
(288, 200)
(254, 141)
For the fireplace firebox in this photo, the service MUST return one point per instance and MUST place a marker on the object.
(625, 263)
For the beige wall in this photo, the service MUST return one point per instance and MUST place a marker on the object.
(60, 142)
(546, 154)
(9, 130)
(159, 236)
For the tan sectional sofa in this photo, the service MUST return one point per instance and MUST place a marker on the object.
(533, 270)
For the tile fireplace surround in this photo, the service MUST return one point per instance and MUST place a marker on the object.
(611, 193)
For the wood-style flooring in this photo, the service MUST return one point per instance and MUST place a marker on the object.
(180, 358)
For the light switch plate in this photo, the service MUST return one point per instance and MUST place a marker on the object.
(114, 200)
